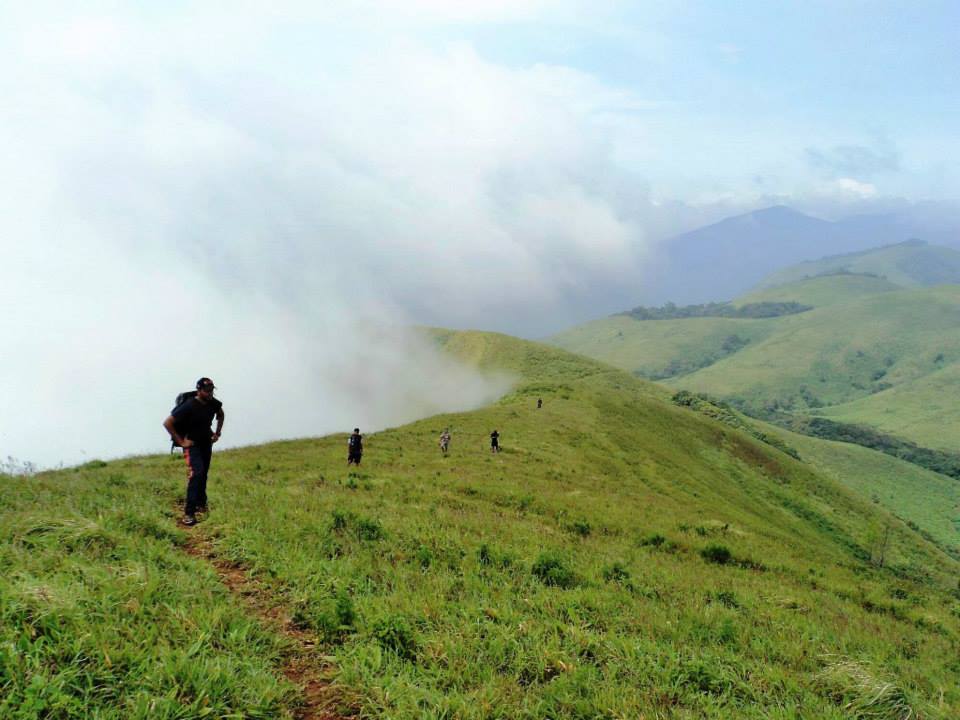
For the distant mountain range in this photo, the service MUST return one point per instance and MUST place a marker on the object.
(726, 259)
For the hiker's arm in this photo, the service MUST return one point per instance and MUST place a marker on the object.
(216, 435)
(177, 440)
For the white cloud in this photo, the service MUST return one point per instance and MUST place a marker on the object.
(186, 195)
(853, 188)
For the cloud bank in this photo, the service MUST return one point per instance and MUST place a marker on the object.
(182, 200)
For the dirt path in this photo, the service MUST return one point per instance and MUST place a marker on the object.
(304, 666)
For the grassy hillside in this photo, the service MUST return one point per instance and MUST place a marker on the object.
(821, 291)
(909, 264)
(927, 499)
(835, 354)
(658, 349)
(622, 557)
(922, 410)
(866, 353)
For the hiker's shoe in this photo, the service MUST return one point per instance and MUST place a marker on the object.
(189, 520)
(203, 509)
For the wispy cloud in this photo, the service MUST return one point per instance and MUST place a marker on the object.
(854, 160)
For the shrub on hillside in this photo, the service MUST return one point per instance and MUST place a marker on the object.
(652, 540)
(616, 573)
(550, 569)
(369, 529)
(719, 554)
(395, 634)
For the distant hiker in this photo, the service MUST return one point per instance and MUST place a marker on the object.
(445, 441)
(494, 442)
(355, 448)
(189, 428)
(539, 403)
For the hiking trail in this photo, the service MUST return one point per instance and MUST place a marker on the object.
(304, 665)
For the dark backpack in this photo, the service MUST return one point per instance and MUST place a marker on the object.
(181, 399)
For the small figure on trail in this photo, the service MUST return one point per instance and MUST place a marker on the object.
(355, 448)
(189, 428)
(539, 403)
(494, 442)
(445, 441)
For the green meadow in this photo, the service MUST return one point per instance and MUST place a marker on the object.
(623, 557)
(922, 410)
(870, 351)
(913, 263)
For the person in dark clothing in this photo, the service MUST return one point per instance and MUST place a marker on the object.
(494, 442)
(355, 448)
(539, 403)
(189, 428)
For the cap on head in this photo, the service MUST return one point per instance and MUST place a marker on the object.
(205, 383)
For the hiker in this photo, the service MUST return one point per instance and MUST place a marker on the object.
(445, 441)
(539, 403)
(494, 442)
(189, 428)
(355, 448)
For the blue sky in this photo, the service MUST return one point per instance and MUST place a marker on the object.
(740, 91)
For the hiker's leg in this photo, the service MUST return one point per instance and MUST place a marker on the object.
(206, 454)
(195, 475)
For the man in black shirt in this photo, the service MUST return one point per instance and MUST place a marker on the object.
(355, 448)
(189, 427)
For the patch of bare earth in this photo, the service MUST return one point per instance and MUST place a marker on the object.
(304, 666)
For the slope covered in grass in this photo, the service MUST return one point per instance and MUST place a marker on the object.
(913, 263)
(885, 357)
(922, 410)
(821, 291)
(835, 354)
(658, 349)
(929, 500)
(622, 557)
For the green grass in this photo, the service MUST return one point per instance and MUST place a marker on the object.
(865, 354)
(929, 500)
(908, 264)
(832, 355)
(577, 574)
(102, 615)
(822, 291)
(649, 348)
(922, 410)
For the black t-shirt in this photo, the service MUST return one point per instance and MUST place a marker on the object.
(193, 419)
(494, 438)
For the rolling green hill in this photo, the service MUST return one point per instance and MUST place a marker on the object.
(927, 499)
(913, 263)
(868, 352)
(823, 290)
(838, 353)
(622, 557)
(922, 410)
